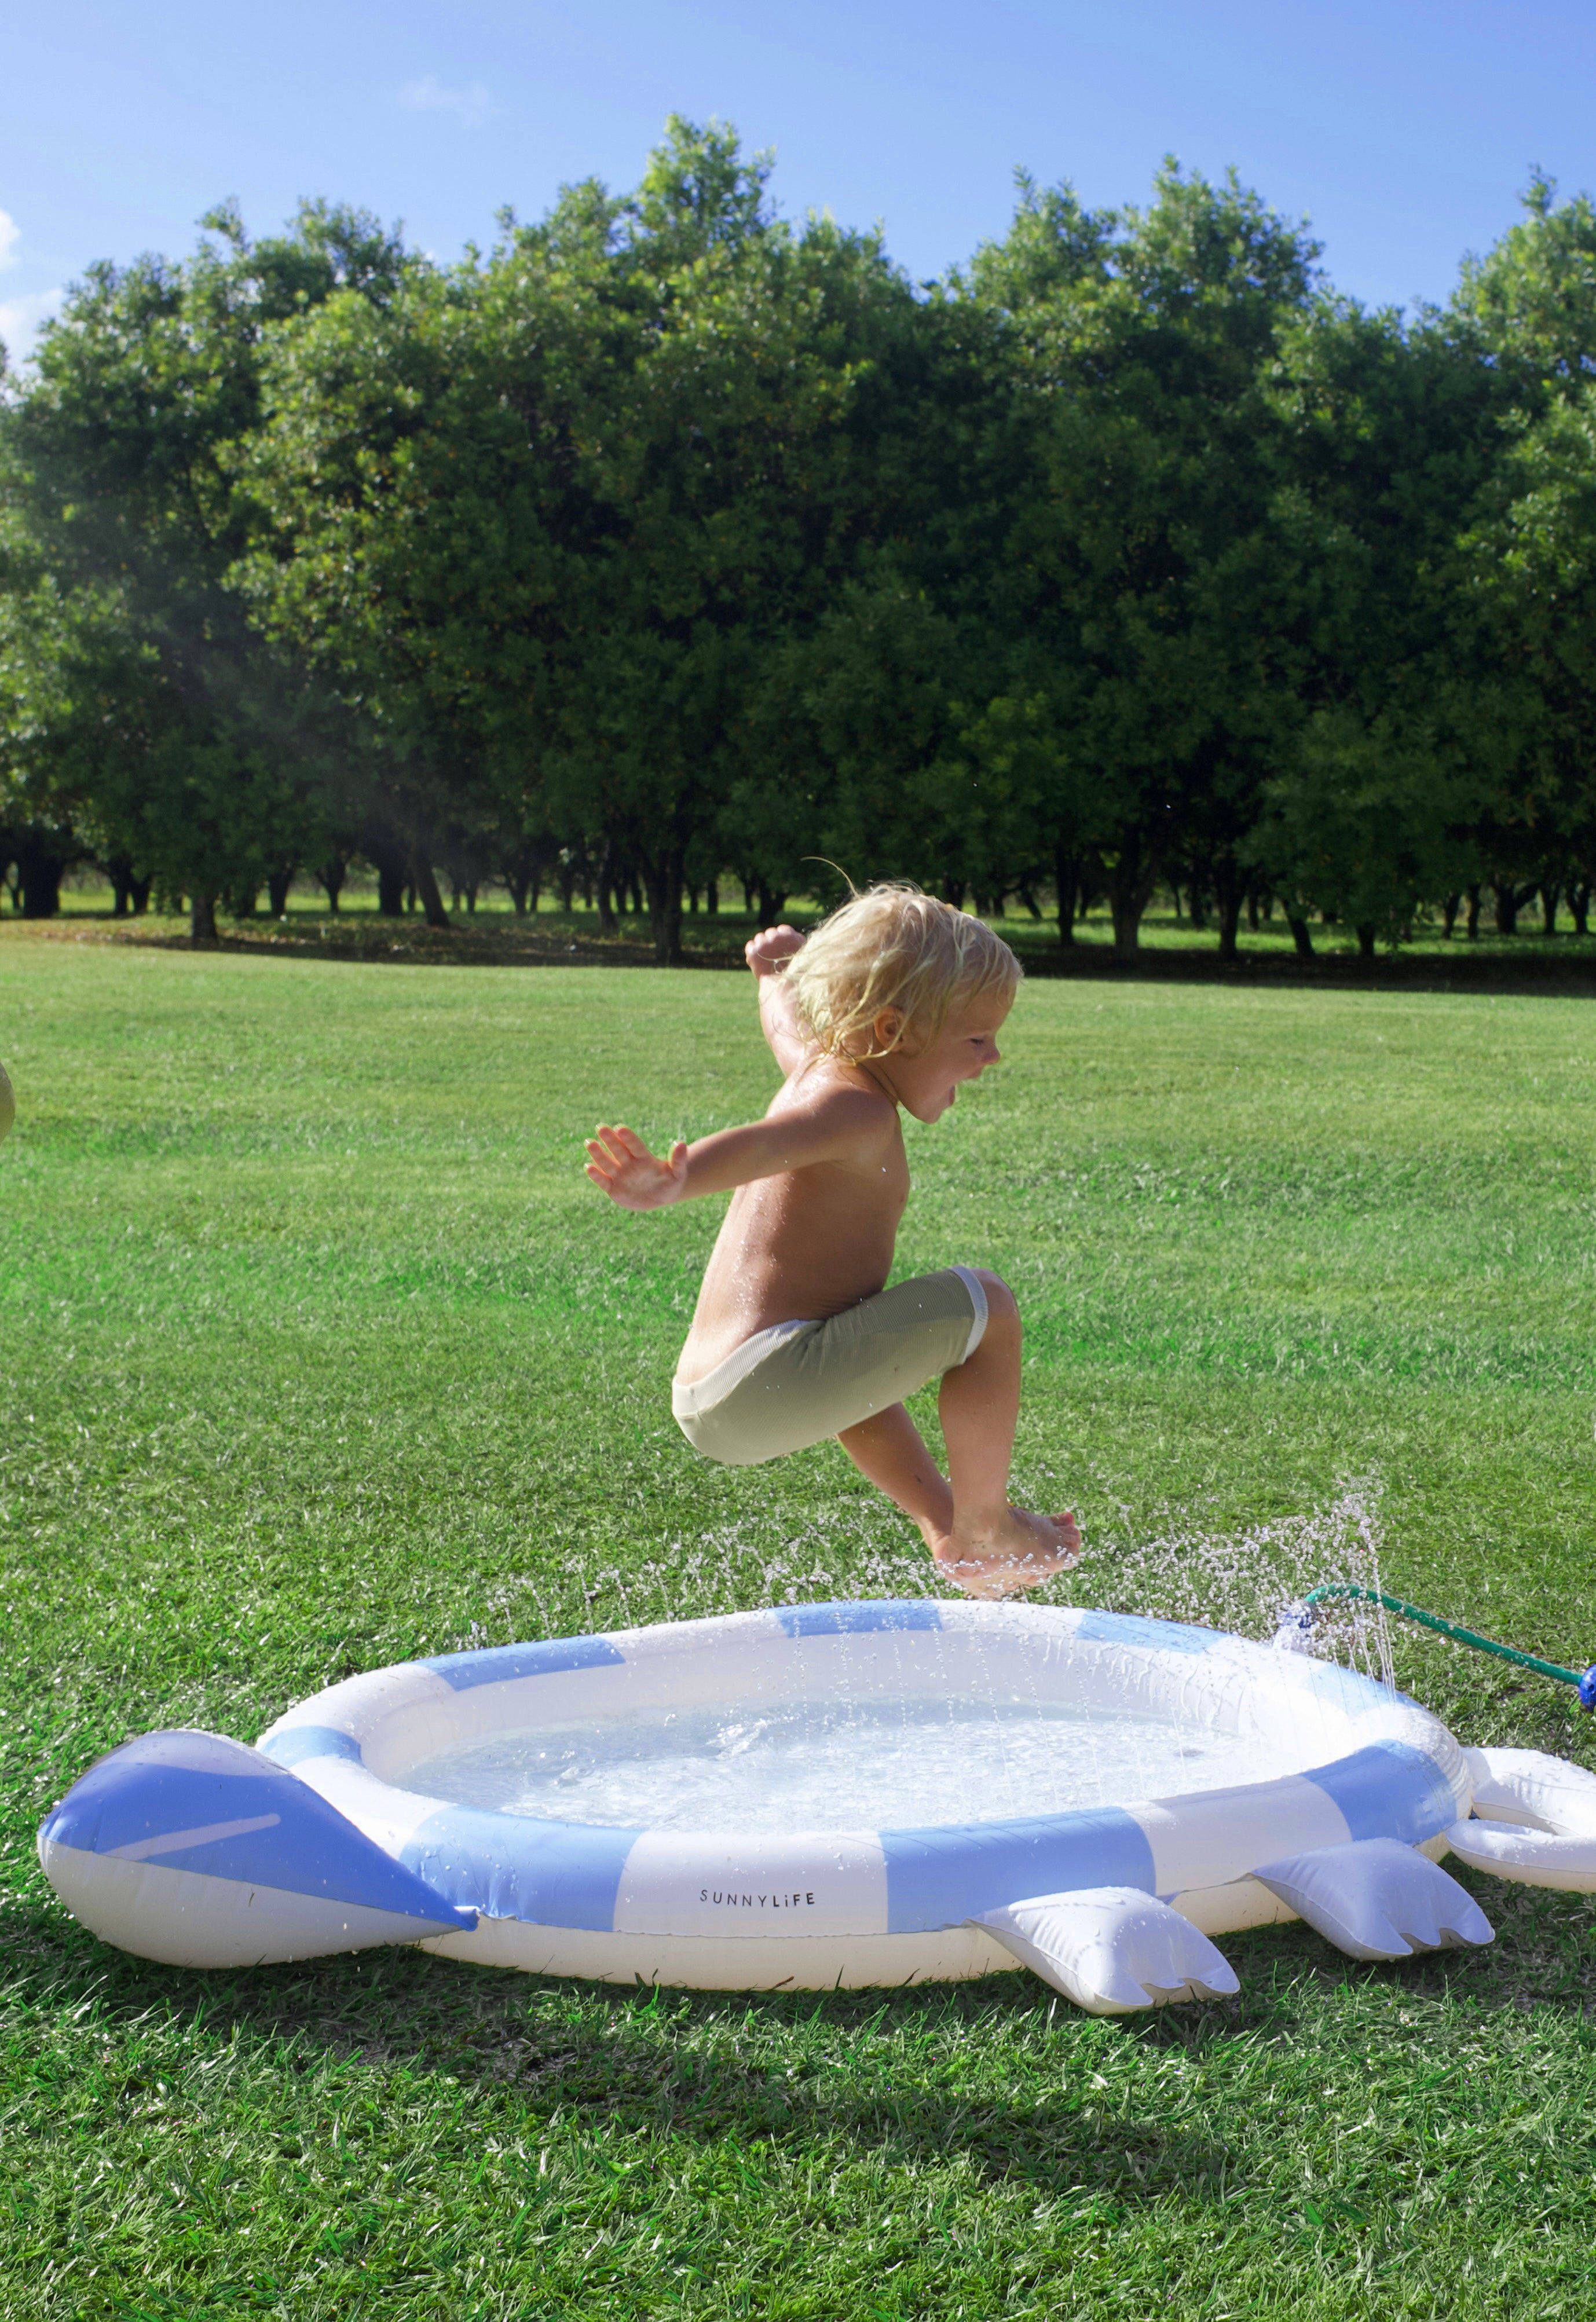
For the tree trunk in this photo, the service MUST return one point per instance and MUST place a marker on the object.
(1253, 908)
(605, 888)
(1449, 915)
(1228, 895)
(39, 868)
(278, 883)
(1549, 907)
(427, 888)
(202, 919)
(521, 867)
(1066, 880)
(663, 874)
(1196, 914)
(1130, 891)
(1579, 907)
(713, 898)
(120, 874)
(386, 856)
(1471, 917)
(1301, 936)
(331, 875)
(1365, 932)
(1505, 893)
(772, 902)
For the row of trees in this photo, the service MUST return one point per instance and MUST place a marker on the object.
(666, 541)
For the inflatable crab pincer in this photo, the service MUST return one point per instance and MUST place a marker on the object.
(339, 1833)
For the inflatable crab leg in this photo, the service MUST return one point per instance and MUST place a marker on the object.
(1375, 1898)
(1112, 1949)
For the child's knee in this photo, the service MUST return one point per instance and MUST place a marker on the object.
(1002, 1305)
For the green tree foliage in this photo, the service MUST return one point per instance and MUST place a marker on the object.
(554, 518)
(668, 539)
(1529, 310)
(1147, 585)
(120, 463)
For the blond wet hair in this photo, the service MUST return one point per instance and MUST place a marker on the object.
(891, 946)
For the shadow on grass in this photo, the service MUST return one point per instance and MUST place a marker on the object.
(903, 2072)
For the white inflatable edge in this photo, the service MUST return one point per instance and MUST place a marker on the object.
(808, 1963)
(729, 1962)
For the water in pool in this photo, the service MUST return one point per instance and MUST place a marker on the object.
(817, 1764)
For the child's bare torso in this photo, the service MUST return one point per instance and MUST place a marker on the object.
(805, 1244)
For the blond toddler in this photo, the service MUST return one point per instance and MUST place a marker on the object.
(890, 1004)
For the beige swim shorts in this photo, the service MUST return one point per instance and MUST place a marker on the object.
(798, 1382)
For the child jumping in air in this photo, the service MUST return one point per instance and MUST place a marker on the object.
(890, 1003)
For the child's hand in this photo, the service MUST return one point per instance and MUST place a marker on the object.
(772, 948)
(619, 1162)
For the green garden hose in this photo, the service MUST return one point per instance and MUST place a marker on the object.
(1585, 1683)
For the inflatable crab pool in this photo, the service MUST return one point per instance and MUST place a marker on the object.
(863, 1793)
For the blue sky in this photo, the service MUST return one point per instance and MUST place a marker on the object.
(1404, 129)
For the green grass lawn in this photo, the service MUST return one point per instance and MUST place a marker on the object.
(318, 1352)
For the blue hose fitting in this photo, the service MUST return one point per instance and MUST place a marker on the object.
(1588, 1689)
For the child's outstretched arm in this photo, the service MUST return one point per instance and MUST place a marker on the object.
(830, 1130)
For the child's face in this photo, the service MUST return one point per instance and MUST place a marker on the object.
(925, 1078)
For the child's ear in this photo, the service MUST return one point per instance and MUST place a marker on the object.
(887, 1030)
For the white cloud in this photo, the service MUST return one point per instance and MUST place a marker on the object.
(469, 106)
(20, 319)
(11, 233)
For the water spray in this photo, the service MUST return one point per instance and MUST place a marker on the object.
(1296, 1624)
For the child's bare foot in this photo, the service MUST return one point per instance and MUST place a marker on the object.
(1021, 1550)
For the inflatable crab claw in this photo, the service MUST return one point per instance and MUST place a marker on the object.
(1375, 1898)
(1536, 1820)
(194, 1850)
(1112, 1949)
